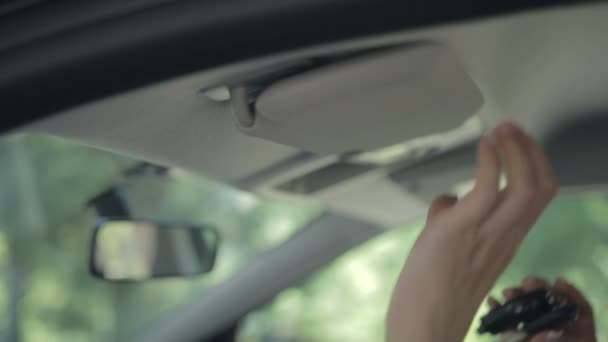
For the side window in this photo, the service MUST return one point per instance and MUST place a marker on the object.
(46, 291)
(347, 301)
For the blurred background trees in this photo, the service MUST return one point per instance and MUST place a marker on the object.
(46, 293)
(348, 300)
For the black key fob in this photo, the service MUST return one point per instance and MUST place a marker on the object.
(509, 315)
(530, 313)
(554, 319)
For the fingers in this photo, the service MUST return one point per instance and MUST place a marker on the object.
(563, 287)
(477, 204)
(492, 302)
(529, 284)
(512, 292)
(521, 179)
(524, 198)
(508, 294)
(582, 327)
(531, 183)
(545, 174)
(439, 204)
(534, 283)
(520, 169)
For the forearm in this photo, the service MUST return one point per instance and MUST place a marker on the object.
(429, 319)
(468, 242)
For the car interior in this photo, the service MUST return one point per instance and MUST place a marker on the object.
(285, 152)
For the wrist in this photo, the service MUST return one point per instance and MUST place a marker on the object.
(429, 320)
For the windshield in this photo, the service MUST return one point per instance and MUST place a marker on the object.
(347, 301)
(46, 292)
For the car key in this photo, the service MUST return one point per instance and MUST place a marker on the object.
(554, 319)
(520, 309)
(530, 313)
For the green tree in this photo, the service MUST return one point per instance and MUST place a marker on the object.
(347, 301)
(46, 293)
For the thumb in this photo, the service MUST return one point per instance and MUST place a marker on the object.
(440, 204)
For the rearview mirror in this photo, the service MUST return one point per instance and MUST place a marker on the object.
(134, 250)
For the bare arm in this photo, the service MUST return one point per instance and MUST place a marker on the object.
(467, 243)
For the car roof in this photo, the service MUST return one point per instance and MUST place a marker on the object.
(543, 68)
(114, 46)
(540, 68)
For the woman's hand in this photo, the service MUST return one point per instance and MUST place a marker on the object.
(467, 243)
(580, 330)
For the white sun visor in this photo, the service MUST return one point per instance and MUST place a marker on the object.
(363, 103)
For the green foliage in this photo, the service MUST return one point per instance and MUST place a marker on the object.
(46, 293)
(347, 301)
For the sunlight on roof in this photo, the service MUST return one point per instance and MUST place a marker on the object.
(471, 129)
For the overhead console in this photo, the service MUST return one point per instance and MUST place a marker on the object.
(389, 186)
(368, 117)
(361, 103)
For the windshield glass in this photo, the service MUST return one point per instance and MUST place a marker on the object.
(347, 301)
(46, 292)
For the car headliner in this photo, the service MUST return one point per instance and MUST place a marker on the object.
(50, 49)
(540, 68)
